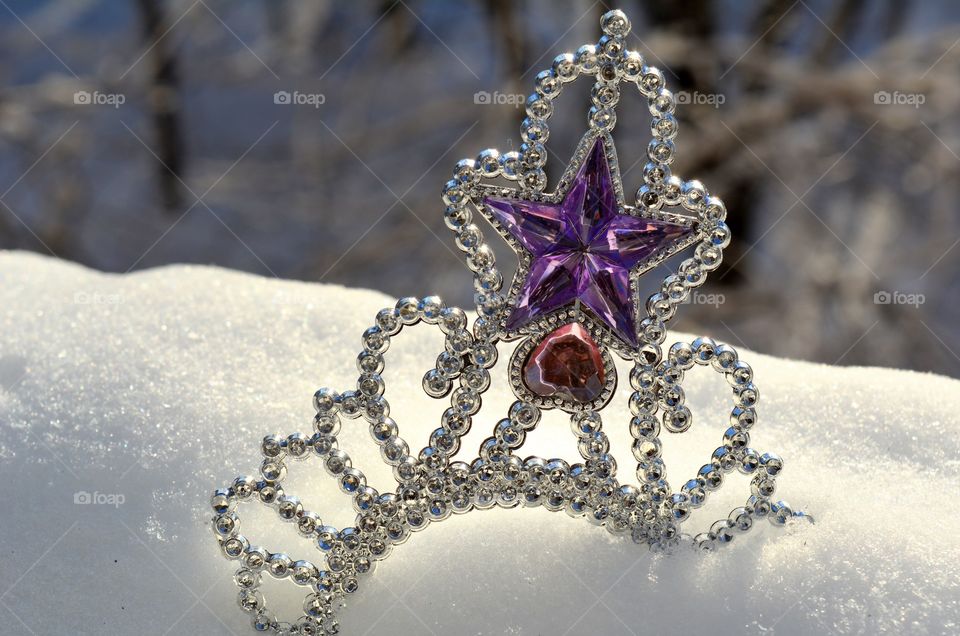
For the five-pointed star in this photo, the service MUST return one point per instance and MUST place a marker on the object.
(582, 248)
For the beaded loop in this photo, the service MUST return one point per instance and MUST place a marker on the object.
(432, 485)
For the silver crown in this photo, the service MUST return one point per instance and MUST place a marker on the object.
(572, 371)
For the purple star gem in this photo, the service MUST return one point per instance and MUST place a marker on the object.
(582, 248)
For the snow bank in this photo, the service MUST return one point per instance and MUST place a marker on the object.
(141, 393)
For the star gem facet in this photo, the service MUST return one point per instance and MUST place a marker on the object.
(582, 248)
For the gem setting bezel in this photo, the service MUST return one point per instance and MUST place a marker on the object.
(539, 327)
(551, 323)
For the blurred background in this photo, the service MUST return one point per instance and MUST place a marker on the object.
(310, 140)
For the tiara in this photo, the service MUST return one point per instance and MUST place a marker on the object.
(574, 304)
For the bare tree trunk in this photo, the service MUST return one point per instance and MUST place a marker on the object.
(844, 18)
(163, 103)
(509, 36)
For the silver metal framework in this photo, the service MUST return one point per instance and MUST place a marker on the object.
(432, 483)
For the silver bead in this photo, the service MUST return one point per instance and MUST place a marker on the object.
(720, 236)
(407, 309)
(740, 375)
(662, 104)
(709, 256)
(714, 210)
(226, 525)
(645, 450)
(250, 601)
(693, 195)
(540, 107)
(395, 451)
(611, 47)
(466, 172)
(303, 572)
(682, 355)
(740, 519)
(244, 486)
(548, 84)
(678, 421)
(631, 65)
(704, 349)
(453, 194)
(710, 477)
(482, 259)
(534, 180)
(781, 513)
(273, 470)
(771, 463)
(763, 486)
(222, 502)
(586, 58)
(661, 151)
(747, 396)
(534, 154)
(722, 531)
(510, 164)
(749, 461)
(469, 238)
(605, 95)
(644, 427)
(456, 218)
(655, 173)
(336, 462)
(664, 127)
(651, 81)
(297, 445)
(278, 565)
(352, 480)
(649, 197)
(388, 320)
(602, 118)
(586, 424)
(288, 507)
(615, 23)
(671, 190)
(534, 130)
(488, 162)
(370, 385)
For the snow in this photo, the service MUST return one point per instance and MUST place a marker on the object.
(151, 389)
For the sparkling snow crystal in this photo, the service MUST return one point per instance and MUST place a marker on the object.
(125, 400)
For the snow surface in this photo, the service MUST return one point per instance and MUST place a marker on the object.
(151, 389)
